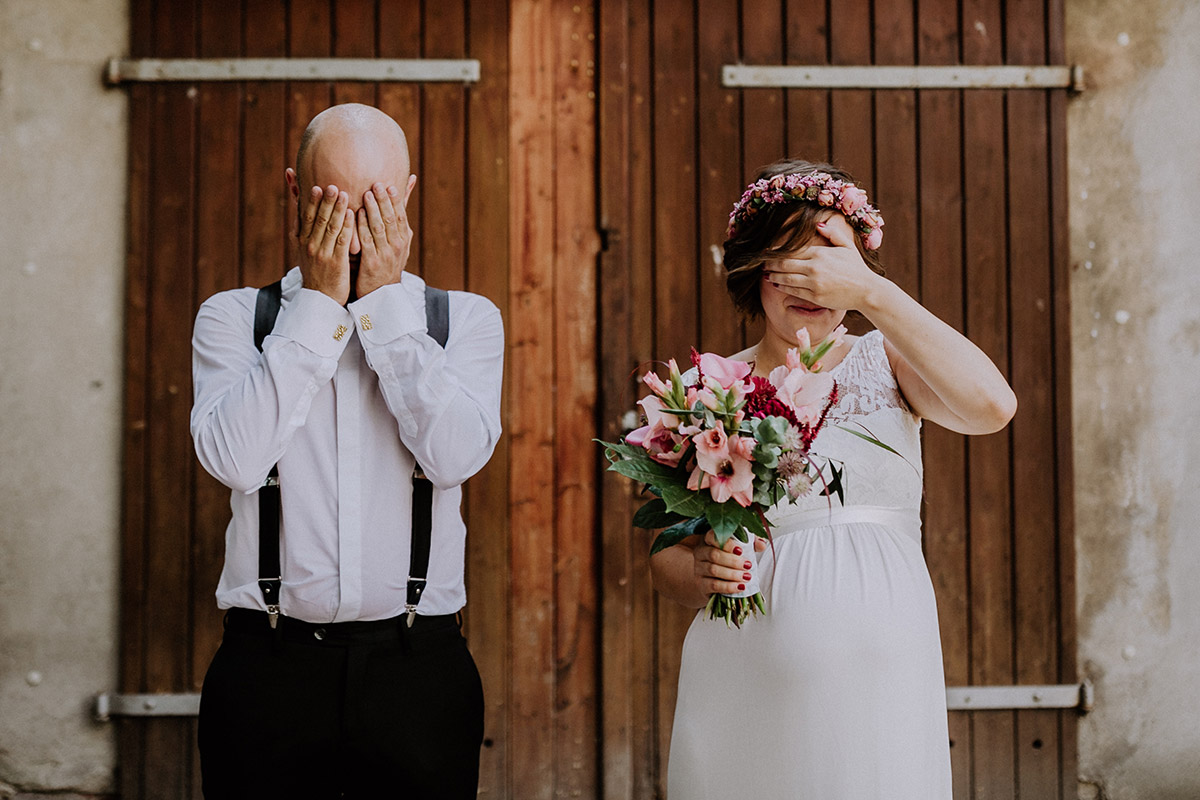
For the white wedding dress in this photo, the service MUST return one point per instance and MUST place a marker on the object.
(837, 693)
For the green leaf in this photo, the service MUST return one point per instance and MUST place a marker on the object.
(643, 470)
(730, 519)
(654, 514)
(682, 500)
(622, 449)
(834, 485)
(870, 439)
(677, 533)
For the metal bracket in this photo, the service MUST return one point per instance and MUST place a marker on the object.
(108, 706)
(903, 77)
(382, 70)
(995, 698)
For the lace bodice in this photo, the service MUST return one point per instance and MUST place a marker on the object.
(870, 403)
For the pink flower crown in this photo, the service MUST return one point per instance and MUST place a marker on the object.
(814, 187)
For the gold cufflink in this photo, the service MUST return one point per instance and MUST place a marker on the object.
(365, 319)
(339, 333)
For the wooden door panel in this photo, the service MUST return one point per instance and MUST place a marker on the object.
(971, 185)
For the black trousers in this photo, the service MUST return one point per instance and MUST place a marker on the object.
(354, 710)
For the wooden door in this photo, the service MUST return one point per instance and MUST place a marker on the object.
(208, 212)
(972, 183)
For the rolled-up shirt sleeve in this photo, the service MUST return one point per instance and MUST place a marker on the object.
(247, 405)
(446, 401)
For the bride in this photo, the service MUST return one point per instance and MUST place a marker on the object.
(837, 693)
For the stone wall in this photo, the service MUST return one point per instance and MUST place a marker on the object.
(1134, 140)
(63, 178)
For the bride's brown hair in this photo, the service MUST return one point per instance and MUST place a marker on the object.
(776, 231)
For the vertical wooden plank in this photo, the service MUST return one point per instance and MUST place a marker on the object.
(941, 291)
(808, 124)
(135, 455)
(762, 109)
(400, 37)
(721, 179)
(575, 249)
(169, 484)
(895, 185)
(531, 335)
(648, 771)
(443, 133)
(354, 37)
(851, 135)
(675, 323)
(218, 227)
(1065, 510)
(488, 246)
(619, 711)
(309, 36)
(1032, 347)
(264, 119)
(988, 456)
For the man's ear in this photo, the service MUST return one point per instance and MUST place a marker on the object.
(412, 181)
(293, 182)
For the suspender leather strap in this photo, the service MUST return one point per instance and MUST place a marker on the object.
(270, 576)
(437, 323)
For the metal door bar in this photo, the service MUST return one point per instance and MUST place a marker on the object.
(416, 70)
(890, 77)
(958, 698)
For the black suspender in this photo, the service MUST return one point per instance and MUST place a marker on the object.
(437, 323)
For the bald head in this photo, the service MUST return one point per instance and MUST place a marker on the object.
(353, 135)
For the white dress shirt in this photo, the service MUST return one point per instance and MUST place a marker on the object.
(344, 398)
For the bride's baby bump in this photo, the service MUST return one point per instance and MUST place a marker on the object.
(839, 594)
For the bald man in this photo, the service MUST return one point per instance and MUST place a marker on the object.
(330, 680)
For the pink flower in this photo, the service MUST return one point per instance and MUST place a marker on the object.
(653, 407)
(803, 391)
(802, 341)
(704, 395)
(874, 239)
(712, 448)
(655, 384)
(659, 443)
(853, 198)
(825, 197)
(725, 371)
(733, 478)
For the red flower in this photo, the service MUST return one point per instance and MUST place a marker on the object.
(762, 402)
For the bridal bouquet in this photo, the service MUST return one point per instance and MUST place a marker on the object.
(719, 450)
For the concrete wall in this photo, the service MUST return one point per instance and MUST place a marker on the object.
(1134, 141)
(63, 177)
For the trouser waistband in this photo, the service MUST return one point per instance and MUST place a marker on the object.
(248, 621)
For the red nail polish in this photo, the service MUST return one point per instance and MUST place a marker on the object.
(746, 576)
(747, 565)
(741, 587)
(737, 551)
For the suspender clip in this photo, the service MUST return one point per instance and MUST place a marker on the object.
(273, 616)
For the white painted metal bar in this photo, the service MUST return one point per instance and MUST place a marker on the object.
(893, 77)
(991, 698)
(958, 698)
(145, 705)
(415, 70)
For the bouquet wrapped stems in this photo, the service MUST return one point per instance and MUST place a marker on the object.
(734, 610)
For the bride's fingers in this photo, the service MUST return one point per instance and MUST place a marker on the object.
(793, 279)
(835, 234)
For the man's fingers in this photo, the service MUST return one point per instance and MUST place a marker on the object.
(365, 240)
(309, 212)
(387, 211)
(375, 218)
(333, 228)
(345, 235)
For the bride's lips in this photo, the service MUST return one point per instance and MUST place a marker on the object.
(807, 308)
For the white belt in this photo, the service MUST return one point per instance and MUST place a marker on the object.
(905, 520)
